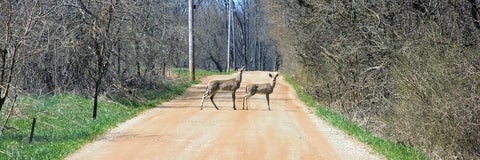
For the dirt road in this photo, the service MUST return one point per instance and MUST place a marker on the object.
(180, 130)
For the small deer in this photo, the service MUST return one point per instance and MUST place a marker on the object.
(228, 85)
(266, 88)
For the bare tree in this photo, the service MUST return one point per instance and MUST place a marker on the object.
(99, 41)
(391, 66)
(17, 26)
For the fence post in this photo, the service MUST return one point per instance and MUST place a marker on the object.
(32, 130)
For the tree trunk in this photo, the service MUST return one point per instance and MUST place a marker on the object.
(95, 98)
(217, 64)
(98, 81)
(475, 9)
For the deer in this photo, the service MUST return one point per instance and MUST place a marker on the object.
(266, 88)
(227, 85)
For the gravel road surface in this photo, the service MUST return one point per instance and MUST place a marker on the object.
(179, 130)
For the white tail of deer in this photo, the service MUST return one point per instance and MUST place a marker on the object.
(266, 89)
(228, 85)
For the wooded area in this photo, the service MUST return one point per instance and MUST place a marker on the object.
(407, 70)
(96, 47)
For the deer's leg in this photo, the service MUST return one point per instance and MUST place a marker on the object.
(211, 98)
(268, 101)
(245, 101)
(203, 99)
(233, 99)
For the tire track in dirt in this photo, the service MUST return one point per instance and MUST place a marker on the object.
(178, 129)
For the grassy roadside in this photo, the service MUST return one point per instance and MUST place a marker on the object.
(64, 122)
(387, 148)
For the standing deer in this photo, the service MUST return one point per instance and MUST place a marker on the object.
(266, 88)
(228, 85)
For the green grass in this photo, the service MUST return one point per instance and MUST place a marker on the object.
(183, 72)
(64, 122)
(390, 149)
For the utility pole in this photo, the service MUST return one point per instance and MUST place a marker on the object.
(191, 57)
(233, 37)
(229, 32)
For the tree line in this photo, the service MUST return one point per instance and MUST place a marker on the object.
(81, 45)
(407, 70)
(94, 47)
(250, 46)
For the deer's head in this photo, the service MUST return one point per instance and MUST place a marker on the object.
(273, 78)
